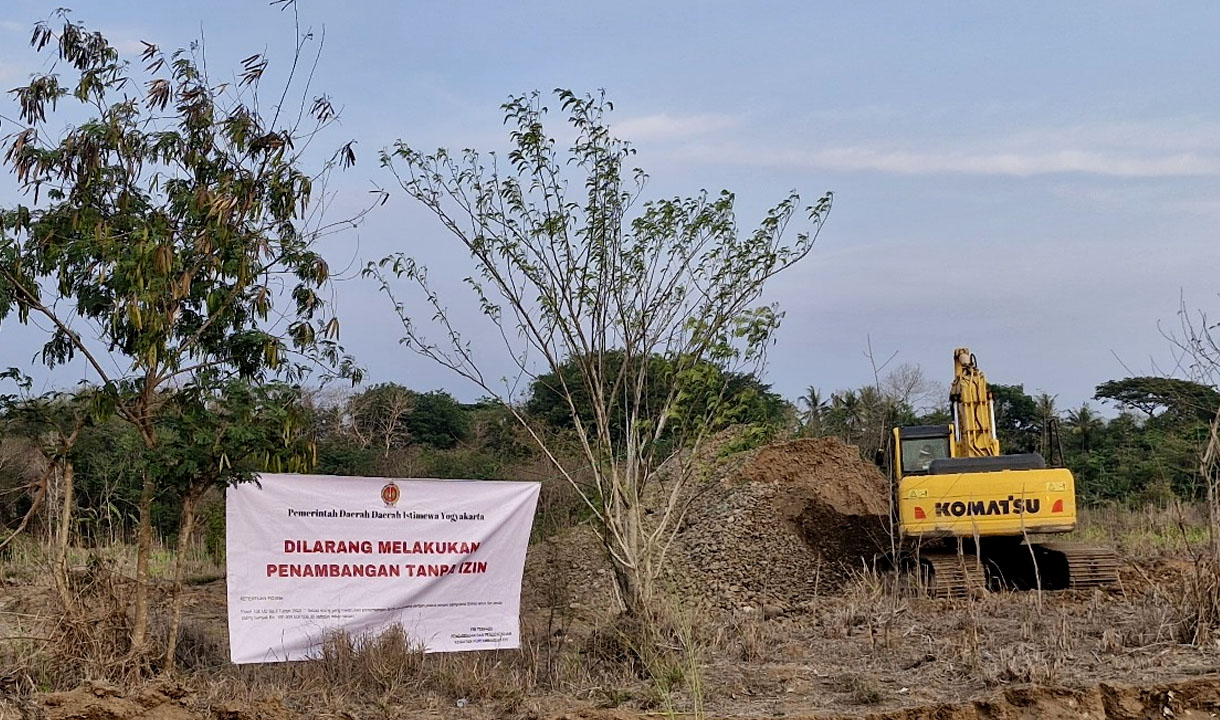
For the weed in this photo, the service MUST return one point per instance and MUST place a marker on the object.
(862, 690)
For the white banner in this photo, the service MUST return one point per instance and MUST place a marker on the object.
(309, 554)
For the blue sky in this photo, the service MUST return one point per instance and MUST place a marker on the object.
(1037, 181)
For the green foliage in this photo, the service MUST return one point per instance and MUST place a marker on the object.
(1016, 417)
(460, 464)
(378, 416)
(212, 516)
(1181, 399)
(165, 237)
(752, 436)
(864, 417)
(165, 221)
(339, 456)
(108, 459)
(201, 439)
(226, 435)
(438, 420)
(495, 430)
(702, 398)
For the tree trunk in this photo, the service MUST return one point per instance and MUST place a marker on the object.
(139, 630)
(632, 566)
(184, 537)
(63, 536)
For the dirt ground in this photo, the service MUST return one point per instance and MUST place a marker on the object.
(859, 652)
(771, 621)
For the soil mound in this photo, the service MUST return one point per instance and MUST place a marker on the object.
(794, 520)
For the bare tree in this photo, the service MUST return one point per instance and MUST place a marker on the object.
(1198, 356)
(908, 385)
(377, 417)
(569, 271)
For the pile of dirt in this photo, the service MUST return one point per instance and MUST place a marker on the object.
(568, 580)
(791, 522)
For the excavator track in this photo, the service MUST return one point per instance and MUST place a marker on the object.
(951, 575)
(1071, 565)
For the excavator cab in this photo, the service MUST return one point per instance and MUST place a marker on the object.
(918, 446)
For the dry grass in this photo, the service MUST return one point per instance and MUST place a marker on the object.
(874, 642)
(1147, 532)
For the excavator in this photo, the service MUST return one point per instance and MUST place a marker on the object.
(973, 518)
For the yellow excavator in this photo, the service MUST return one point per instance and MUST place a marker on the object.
(973, 516)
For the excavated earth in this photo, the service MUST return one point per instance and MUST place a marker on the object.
(790, 523)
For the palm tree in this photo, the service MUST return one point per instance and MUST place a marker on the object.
(815, 407)
(1048, 415)
(1084, 423)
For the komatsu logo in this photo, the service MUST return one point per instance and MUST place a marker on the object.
(1009, 506)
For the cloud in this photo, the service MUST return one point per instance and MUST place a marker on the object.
(1169, 148)
(664, 126)
(12, 26)
(1017, 164)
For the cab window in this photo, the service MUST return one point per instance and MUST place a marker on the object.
(917, 455)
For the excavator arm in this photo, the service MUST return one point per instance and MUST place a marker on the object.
(973, 409)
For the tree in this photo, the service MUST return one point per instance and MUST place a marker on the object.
(378, 416)
(741, 397)
(907, 385)
(865, 417)
(53, 422)
(566, 268)
(1016, 418)
(1183, 399)
(215, 436)
(438, 420)
(164, 233)
(1085, 424)
(813, 411)
(1199, 354)
(1048, 424)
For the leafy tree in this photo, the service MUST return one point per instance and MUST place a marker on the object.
(1048, 425)
(565, 267)
(552, 395)
(864, 417)
(1183, 399)
(162, 234)
(108, 458)
(813, 409)
(53, 422)
(438, 420)
(496, 431)
(740, 397)
(1085, 425)
(1016, 418)
(219, 436)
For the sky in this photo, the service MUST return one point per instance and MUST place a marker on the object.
(1039, 181)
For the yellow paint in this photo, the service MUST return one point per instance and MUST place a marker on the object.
(988, 503)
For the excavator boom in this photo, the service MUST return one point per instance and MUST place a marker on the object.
(973, 408)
